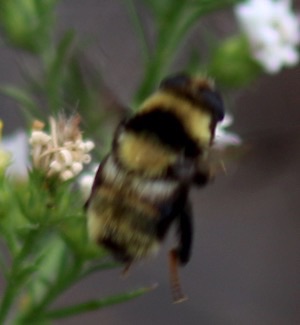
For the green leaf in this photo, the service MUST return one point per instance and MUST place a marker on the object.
(174, 19)
(96, 304)
(28, 105)
(56, 71)
(23, 274)
(232, 65)
(101, 267)
(139, 29)
(51, 262)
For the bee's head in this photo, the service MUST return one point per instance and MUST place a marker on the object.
(201, 91)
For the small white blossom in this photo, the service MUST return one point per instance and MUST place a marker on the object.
(86, 181)
(16, 145)
(39, 137)
(61, 152)
(224, 138)
(273, 31)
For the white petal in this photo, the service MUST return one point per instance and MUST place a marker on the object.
(85, 185)
(273, 31)
(76, 168)
(227, 139)
(227, 121)
(289, 56)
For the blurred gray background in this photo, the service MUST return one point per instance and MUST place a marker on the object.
(246, 264)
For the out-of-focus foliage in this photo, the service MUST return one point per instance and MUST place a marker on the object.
(43, 225)
(42, 221)
(28, 24)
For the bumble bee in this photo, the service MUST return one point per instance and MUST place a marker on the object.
(142, 186)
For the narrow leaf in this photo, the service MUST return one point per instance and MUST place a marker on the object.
(29, 106)
(96, 304)
(57, 70)
(100, 267)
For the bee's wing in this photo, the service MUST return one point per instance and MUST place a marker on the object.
(220, 157)
(108, 108)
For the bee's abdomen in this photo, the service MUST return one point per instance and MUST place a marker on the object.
(144, 189)
(124, 224)
(125, 210)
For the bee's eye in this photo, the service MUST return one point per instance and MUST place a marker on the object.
(177, 81)
(212, 100)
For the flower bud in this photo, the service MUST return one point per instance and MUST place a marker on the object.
(66, 175)
(55, 166)
(89, 145)
(39, 137)
(76, 167)
(232, 64)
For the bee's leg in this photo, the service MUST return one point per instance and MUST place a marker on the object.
(125, 271)
(177, 294)
(204, 174)
(181, 254)
(185, 234)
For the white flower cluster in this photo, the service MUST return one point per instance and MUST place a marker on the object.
(273, 31)
(62, 152)
(224, 138)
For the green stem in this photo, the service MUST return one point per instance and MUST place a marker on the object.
(63, 281)
(3, 265)
(13, 285)
(8, 299)
(138, 27)
(173, 26)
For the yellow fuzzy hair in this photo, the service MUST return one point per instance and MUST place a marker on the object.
(141, 153)
(109, 216)
(195, 121)
(110, 194)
